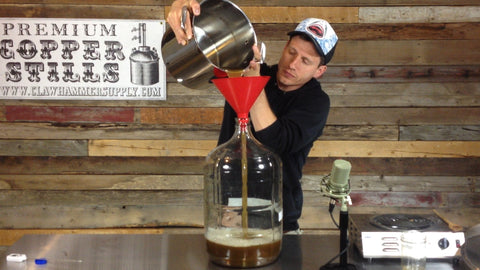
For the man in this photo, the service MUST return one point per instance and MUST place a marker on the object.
(291, 112)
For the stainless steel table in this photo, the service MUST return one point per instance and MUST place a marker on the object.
(174, 252)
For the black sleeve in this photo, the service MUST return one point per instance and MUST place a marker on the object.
(301, 124)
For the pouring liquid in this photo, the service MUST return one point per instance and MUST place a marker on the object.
(244, 186)
(233, 74)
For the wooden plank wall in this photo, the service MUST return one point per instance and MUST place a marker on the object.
(405, 91)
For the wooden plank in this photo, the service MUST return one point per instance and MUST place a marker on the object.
(317, 218)
(407, 200)
(439, 133)
(466, 218)
(402, 74)
(399, 199)
(399, 149)
(193, 99)
(404, 31)
(405, 101)
(8, 237)
(458, 200)
(311, 182)
(146, 148)
(401, 52)
(101, 182)
(343, 14)
(192, 148)
(399, 166)
(92, 198)
(43, 147)
(359, 3)
(360, 133)
(380, 31)
(340, 116)
(266, 3)
(420, 89)
(194, 166)
(90, 2)
(82, 11)
(63, 216)
(404, 116)
(295, 14)
(2, 113)
(101, 165)
(431, 14)
(394, 183)
(69, 114)
(407, 31)
(181, 115)
(84, 131)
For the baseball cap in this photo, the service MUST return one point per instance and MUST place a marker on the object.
(322, 35)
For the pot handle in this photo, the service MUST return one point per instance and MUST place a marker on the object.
(184, 17)
(263, 52)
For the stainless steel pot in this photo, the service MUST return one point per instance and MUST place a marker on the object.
(223, 38)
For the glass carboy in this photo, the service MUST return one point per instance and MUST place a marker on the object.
(243, 200)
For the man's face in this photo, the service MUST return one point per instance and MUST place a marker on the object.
(298, 64)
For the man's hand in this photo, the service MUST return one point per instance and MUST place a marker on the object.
(179, 9)
(253, 68)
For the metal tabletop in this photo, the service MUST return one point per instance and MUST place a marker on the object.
(175, 252)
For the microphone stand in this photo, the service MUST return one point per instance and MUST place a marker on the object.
(344, 198)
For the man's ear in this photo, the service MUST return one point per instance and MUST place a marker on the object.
(320, 70)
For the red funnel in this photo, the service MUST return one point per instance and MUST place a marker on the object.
(241, 92)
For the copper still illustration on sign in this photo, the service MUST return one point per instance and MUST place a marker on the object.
(144, 64)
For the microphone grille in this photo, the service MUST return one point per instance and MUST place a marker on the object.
(340, 173)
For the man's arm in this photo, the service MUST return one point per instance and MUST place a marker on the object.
(261, 115)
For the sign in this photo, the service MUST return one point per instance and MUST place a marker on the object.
(81, 59)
